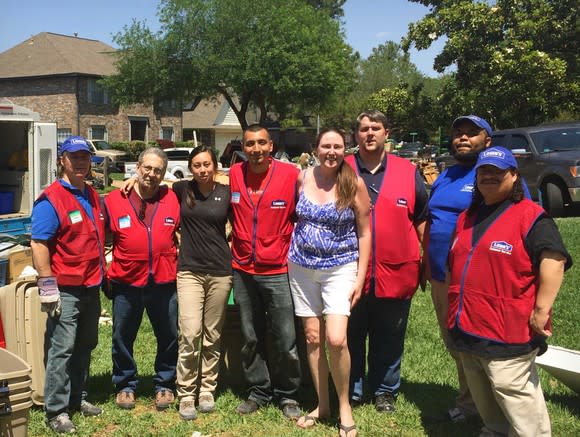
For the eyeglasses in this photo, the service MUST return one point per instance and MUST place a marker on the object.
(142, 210)
(148, 169)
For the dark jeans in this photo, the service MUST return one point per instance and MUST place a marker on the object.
(265, 301)
(71, 338)
(385, 322)
(160, 302)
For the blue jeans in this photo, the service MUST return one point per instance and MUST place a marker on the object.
(265, 302)
(385, 322)
(71, 338)
(160, 302)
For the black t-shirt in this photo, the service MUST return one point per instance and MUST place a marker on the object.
(204, 248)
(543, 235)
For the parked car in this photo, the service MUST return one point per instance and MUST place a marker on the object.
(549, 160)
(103, 149)
(176, 166)
(410, 150)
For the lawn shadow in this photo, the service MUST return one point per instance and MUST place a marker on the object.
(570, 401)
(101, 388)
(433, 400)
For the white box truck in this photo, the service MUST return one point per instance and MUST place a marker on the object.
(28, 162)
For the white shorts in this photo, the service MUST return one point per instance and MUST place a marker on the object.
(322, 291)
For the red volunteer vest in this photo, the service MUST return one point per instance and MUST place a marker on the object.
(262, 232)
(139, 251)
(493, 287)
(395, 254)
(77, 256)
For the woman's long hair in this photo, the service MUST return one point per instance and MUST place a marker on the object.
(189, 195)
(516, 196)
(346, 178)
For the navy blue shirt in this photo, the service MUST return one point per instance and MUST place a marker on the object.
(375, 181)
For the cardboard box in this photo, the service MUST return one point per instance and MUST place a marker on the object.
(17, 260)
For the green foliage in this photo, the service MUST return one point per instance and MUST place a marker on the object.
(332, 7)
(134, 148)
(516, 60)
(390, 82)
(246, 50)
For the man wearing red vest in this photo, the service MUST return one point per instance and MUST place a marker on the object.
(263, 200)
(398, 214)
(142, 276)
(67, 248)
(506, 266)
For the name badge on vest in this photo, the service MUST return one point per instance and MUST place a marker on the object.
(278, 204)
(501, 247)
(402, 202)
(236, 197)
(467, 188)
(124, 222)
(75, 216)
(169, 221)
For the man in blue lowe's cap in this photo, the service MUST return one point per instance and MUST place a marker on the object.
(451, 193)
(67, 248)
(506, 266)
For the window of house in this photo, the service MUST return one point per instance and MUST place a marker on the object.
(168, 104)
(62, 134)
(167, 133)
(96, 93)
(97, 132)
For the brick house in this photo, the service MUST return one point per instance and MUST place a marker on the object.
(56, 76)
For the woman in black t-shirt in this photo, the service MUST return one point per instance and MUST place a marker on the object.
(204, 281)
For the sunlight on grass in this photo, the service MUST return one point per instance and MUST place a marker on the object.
(428, 385)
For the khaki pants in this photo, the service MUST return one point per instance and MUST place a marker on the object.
(202, 301)
(463, 401)
(508, 395)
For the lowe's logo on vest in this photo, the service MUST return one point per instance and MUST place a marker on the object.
(467, 188)
(278, 204)
(501, 246)
(493, 154)
(402, 202)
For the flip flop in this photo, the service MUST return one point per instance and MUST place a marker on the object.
(306, 419)
(346, 430)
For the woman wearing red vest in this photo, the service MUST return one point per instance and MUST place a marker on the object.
(506, 264)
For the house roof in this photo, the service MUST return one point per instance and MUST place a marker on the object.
(209, 114)
(49, 54)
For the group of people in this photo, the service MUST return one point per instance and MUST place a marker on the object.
(337, 245)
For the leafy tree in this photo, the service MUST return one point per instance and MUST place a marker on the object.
(332, 7)
(387, 66)
(271, 55)
(516, 60)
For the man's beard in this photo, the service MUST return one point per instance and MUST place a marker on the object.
(466, 158)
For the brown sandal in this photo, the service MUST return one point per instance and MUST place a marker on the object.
(346, 430)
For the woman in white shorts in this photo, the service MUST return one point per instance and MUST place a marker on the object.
(327, 264)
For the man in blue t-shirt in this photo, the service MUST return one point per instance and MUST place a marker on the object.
(450, 194)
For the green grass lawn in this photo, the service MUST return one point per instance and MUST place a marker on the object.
(429, 384)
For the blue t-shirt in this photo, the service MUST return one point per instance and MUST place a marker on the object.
(323, 237)
(451, 193)
(45, 222)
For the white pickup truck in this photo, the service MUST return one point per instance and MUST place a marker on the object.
(176, 166)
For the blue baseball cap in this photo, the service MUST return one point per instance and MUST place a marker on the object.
(478, 121)
(498, 157)
(75, 144)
